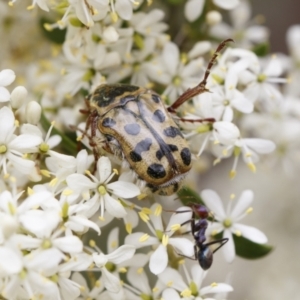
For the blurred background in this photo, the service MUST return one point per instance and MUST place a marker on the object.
(279, 15)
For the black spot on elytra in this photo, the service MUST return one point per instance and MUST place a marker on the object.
(108, 122)
(106, 93)
(186, 156)
(155, 98)
(135, 157)
(159, 154)
(144, 145)
(172, 132)
(156, 171)
(133, 128)
(173, 147)
(159, 116)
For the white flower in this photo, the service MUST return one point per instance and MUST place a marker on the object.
(26, 271)
(261, 82)
(244, 31)
(227, 221)
(227, 141)
(100, 192)
(176, 73)
(13, 147)
(224, 100)
(7, 76)
(190, 287)
(161, 238)
(121, 254)
(193, 8)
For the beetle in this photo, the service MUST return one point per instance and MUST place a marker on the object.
(139, 128)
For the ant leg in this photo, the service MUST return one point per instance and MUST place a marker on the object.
(200, 88)
(221, 241)
(195, 254)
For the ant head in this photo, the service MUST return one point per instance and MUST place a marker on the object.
(205, 257)
(200, 210)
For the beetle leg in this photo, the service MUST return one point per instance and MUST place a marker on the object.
(201, 87)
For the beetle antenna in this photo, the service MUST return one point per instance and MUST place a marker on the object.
(201, 87)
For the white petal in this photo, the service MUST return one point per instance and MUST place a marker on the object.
(78, 262)
(123, 189)
(69, 244)
(139, 280)
(82, 220)
(104, 168)
(260, 145)
(227, 114)
(228, 4)
(114, 207)
(41, 260)
(158, 260)
(242, 204)
(175, 277)
(274, 68)
(135, 239)
(216, 288)
(54, 140)
(4, 94)
(121, 254)
(199, 49)
(170, 294)
(227, 132)
(198, 274)
(24, 166)
(193, 9)
(214, 203)
(229, 248)
(25, 142)
(31, 129)
(7, 76)
(171, 58)
(113, 240)
(156, 219)
(124, 9)
(39, 222)
(183, 246)
(100, 259)
(251, 233)
(10, 261)
(79, 182)
(179, 218)
(111, 282)
(7, 120)
(68, 288)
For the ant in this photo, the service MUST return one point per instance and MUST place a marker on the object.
(203, 253)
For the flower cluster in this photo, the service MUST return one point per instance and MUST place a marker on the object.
(59, 189)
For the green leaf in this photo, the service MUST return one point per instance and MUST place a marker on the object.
(246, 248)
(187, 196)
(56, 35)
(250, 250)
(67, 144)
(262, 49)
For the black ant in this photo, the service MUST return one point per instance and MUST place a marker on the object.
(203, 253)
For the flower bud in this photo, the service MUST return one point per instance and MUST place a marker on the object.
(213, 17)
(18, 97)
(110, 34)
(33, 112)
